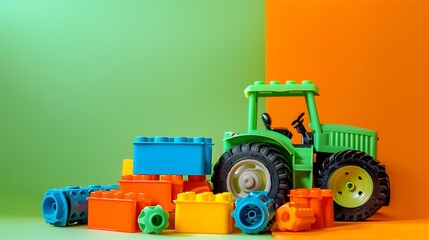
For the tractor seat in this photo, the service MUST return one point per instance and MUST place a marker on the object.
(267, 122)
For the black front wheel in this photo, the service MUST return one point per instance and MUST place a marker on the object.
(359, 182)
(250, 167)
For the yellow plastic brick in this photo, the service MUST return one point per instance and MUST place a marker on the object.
(127, 167)
(204, 213)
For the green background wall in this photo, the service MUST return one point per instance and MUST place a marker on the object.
(79, 80)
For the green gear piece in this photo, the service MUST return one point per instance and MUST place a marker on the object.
(153, 219)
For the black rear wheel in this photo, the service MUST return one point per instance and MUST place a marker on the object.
(250, 167)
(359, 182)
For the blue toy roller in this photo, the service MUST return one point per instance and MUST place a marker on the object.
(68, 206)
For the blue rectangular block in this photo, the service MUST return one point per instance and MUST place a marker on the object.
(175, 156)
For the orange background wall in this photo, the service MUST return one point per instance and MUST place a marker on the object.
(370, 60)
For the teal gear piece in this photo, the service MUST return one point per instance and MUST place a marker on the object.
(254, 213)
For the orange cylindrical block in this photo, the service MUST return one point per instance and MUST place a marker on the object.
(328, 207)
(316, 204)
(300, 196)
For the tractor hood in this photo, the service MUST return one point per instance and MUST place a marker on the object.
(336, 137)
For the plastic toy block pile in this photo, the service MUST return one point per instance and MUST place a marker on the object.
(152, 197)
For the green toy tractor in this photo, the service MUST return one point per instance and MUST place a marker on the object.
(338, 157)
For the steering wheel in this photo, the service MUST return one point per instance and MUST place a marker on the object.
(298, 120)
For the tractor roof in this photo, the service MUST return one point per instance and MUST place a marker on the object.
(276, 89)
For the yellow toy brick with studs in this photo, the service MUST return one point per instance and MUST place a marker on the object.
(204, 213)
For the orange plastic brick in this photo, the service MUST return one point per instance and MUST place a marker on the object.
(197, 184)
(116, 210)
(177, 184)
(320, 200)
(294, 217)
(204, 213)
(201, 189)
(162, 191)
(171, 221)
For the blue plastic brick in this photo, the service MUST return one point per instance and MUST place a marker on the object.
(178, 155)
(254, 213)
(68, 206)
